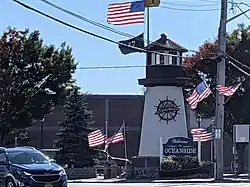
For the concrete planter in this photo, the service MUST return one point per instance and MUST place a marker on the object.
(81, 173)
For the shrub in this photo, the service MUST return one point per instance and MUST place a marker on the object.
(177, 163)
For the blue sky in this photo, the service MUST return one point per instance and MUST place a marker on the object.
(188, 28)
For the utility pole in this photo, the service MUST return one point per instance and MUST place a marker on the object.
(219, 111)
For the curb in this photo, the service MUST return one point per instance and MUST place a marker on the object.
(163, 181)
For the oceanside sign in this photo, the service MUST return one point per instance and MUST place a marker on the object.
(180, 146)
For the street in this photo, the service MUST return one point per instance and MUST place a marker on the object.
(159, 185)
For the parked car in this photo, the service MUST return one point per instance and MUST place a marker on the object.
(27, 166)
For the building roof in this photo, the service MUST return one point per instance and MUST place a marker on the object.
(165, 43)
(114, 96)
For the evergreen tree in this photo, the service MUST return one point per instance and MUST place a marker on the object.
(72, 140)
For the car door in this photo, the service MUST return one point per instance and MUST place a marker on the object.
(3, 167)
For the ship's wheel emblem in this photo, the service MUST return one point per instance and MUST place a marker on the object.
(167, 110)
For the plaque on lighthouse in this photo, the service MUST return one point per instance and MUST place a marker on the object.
(164, 108)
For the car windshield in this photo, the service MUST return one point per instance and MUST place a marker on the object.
(30, 157)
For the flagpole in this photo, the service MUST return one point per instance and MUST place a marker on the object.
(235, 91)
(227, 99)
(106, 129)
(230, 96)
(212, 143)
(199, 149)
(109, 140)
(148, 28)
(161, 151)
(125, 142)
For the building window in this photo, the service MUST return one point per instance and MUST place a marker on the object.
(173, 58)
(149, 58)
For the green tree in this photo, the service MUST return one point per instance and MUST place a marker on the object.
(29, 72)
(72, 140)
(237, 109)
(20, 135)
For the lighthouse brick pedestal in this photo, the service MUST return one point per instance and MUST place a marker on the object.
(164, 109)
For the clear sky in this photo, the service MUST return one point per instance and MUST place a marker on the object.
(188, 28)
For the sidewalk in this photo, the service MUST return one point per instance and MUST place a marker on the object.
(227, 179)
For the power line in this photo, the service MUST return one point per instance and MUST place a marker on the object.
(97, 36)
(238, 68)
(86, 19)
(97, 23)
(189, 5)
(242, 11)
(142, 66)
(64, 23)
(207, 1)
(90, 33)
(111, 67)
(191, 10)
(237, 61)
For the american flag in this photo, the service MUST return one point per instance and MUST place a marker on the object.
(116, 138)
(126, 13)
(205, 134)
(96, 138)
(228, 91)
(202, 91)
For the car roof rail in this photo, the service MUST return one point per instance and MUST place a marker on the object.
(29, 147)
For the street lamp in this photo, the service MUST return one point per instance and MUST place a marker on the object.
(198, 119)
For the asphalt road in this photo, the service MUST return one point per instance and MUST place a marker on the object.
(160, 185)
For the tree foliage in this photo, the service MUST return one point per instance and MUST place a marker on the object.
(28, 69)
(72, 140)
(237, 109)
(19, 136)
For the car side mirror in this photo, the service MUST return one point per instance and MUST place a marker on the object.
(52, 160)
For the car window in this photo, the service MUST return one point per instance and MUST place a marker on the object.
(31, 157)
(2, 157)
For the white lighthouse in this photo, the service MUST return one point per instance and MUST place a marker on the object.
(164, 110)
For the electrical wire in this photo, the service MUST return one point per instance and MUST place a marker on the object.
(207, 1)
(242, 12)
(90, 33)
(103, 38)
(189, 5)
(235, 60)
(241, 70)
(191, 10)
(98, 24)
(111, 67)
(86, 19)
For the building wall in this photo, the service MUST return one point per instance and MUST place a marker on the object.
(114, 109)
